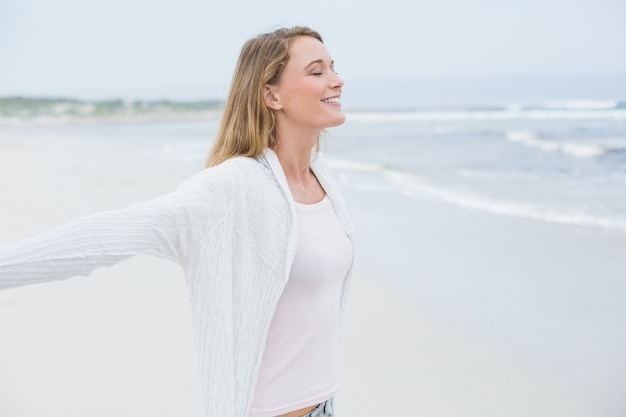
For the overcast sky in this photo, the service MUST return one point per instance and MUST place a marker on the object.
(186, 49)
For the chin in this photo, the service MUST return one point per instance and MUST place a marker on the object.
(339, 120)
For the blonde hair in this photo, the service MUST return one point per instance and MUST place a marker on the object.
(248, 127)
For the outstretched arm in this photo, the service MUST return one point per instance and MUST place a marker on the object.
(168, 227)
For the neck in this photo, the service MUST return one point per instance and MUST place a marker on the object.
(295, 164)
(294, 153)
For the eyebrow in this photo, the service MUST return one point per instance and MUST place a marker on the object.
(318, 61)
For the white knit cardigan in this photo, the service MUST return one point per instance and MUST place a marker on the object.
(233, 230)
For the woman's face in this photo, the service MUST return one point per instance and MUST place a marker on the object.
(309, 91)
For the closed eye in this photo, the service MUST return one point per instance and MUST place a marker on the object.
(322, 72)
(321, 66)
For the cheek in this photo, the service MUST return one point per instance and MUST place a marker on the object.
(304, 89)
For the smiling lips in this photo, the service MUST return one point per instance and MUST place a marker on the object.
(331, 100)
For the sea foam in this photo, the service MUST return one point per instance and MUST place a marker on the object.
(490, 115)
(582, 104)
(414, 186)
(581, 150)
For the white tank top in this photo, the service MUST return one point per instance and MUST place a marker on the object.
(300, 365)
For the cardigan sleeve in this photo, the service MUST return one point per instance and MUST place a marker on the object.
(168, 227)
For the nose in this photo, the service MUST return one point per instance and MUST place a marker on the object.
(337, 81)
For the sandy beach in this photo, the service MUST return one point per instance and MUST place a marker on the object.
(452, 313)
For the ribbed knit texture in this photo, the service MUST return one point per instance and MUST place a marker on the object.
(233, 230)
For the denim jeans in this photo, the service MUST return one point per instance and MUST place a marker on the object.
(325, 409)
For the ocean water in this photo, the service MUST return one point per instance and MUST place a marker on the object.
(558, 162)
(562, 162)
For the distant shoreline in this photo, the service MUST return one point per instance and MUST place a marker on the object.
(19, 111)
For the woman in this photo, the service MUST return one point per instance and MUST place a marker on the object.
(262, 235)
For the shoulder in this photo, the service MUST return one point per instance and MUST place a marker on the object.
(251, 198)
(242, 186)
(233, 172)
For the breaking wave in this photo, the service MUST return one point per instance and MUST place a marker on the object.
(550, 110)
(581, 150)
(414, 186)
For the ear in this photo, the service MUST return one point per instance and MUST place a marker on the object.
(271, 98)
